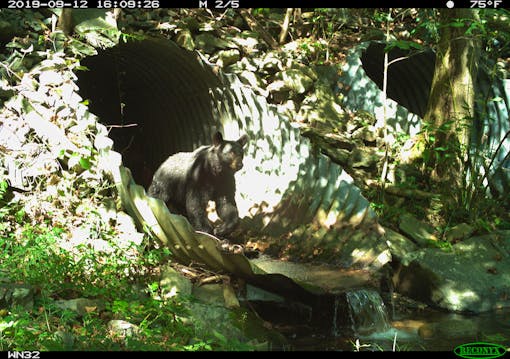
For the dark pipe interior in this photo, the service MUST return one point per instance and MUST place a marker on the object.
(409, 79)
(154, 97)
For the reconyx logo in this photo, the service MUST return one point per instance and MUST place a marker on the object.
(480, 350)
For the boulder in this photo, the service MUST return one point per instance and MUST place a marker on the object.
(473, 277)
(173, 283)
(16, 294)
(420, 232)
(81, 306)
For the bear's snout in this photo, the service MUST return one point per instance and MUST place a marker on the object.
(236, 164)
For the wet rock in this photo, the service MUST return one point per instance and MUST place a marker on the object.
(469, 278)
(209, 314)
(457, 328)
(450, 328)
(427, 330)
(422, 233)
(257, 294)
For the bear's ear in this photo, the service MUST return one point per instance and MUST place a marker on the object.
(217, 138)
(243, 140)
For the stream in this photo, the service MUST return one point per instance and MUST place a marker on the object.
(355, 317)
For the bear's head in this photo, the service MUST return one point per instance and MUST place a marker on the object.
(229, 153)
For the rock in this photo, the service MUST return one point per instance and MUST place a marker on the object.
(320, 106)
(421, 233)
(16, 294)
(209, 44)
(398, 244)
(209, 314)
(365, 250)
(459, 232)
(122, 328)
(427, 330)
(271, 63)
(338, 155)
(210, 293)
(81, 306)
(248, 65)
(302, 69)
(257, 294)
(327, 74)
(228, 57)
(191, 23)
(471, 278)
(229, 296)
(449, 328)
(248, 41)
(364, 158)
(457, 328)
(279, 92)
(366, 134)
(251, 79)
(295, 80)
(185, 39)
(67, 339)
(173, 283)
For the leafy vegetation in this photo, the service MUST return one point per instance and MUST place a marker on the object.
(39, 231)
(33, 256)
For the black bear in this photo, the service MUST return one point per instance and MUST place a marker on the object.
(187, 181)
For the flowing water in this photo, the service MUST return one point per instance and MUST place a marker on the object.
(369, 328)
(367, 311)
(355, 316)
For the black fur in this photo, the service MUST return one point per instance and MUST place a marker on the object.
(187, 181)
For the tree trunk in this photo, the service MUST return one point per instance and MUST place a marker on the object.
(65, 21)
(449, 112)
(285, 26)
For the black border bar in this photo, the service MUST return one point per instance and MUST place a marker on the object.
(234, 4)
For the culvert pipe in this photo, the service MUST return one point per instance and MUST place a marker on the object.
(171, 101)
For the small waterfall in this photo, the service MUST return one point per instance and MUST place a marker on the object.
(367, 311)
(334, 330)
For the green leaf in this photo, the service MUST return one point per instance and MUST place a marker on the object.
(85, 163)
(456, 24)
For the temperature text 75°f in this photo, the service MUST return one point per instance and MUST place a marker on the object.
(219, 4)
(482, 4)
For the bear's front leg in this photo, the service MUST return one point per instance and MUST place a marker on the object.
(196, 210)
(226, 209)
